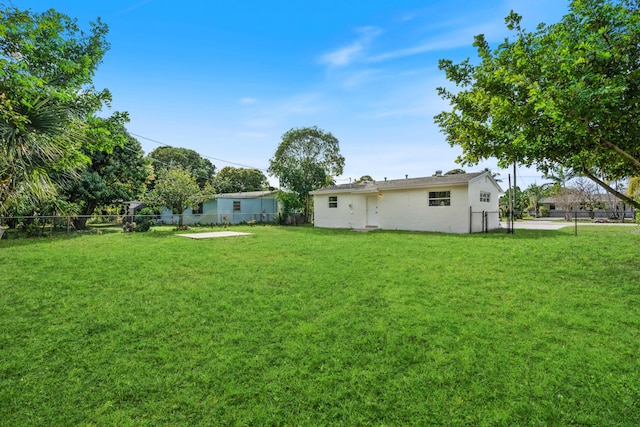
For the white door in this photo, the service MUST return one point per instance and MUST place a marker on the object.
(372, 211)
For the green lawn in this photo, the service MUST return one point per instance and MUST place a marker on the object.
(301, 326)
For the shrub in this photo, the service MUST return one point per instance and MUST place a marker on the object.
(144, 219)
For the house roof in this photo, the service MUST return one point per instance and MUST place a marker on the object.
(244, 195)
(402, 184)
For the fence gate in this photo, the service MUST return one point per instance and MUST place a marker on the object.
(483, 221)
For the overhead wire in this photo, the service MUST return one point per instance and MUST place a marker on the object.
(202, 155)
(165, 164)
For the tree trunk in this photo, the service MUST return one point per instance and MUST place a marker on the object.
(307, 209)
(80, 222)
(611, 190)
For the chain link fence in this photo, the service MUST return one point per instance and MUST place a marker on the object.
(49, 225)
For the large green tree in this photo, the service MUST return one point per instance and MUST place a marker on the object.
(306, 159)
(236, 180)
(177, 189)
(46, 67)
(170, 157)
(565, 94)
(112, 176)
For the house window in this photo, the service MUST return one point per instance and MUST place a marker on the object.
(197, 210)
(439, 198)
(552, 207)
(485, 197)
(236, 205)
(333, 201)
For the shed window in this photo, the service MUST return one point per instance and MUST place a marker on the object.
(439, 198)
(485, 197)
(333, 201)
(198, 209)
(236, 205)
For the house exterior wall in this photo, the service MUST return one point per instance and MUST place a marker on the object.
(259, 209)
(483, 184)
(220, 211)
(410, 210)
(208, 215)
(396, 210)
(348, 213)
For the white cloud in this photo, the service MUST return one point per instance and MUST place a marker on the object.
(348, 54)
(357, 79)
(342, 56)
(454, 39)
(134, 6)
(247, 101)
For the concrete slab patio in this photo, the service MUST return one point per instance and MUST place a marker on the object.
(214, 234)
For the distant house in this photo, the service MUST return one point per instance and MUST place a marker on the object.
(600, 206)
(461, 203)
(229, 208)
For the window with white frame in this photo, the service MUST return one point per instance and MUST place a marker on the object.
(439, 198)
(485, 197)
(333, 201)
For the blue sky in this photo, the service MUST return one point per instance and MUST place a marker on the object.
(228, 78)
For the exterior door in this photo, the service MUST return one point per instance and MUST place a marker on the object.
(372, 211)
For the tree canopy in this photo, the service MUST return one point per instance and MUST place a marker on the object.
(566, 94)
(177, 189)
(236, 180)
(46, 67)
(306, 159)
(169, 157)
(111, 176)
(364, 178)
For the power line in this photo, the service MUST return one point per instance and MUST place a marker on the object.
(202, 155)
(168, 165)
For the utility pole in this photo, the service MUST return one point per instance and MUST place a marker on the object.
(510, 210)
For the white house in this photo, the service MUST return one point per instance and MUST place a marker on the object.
(461, 203)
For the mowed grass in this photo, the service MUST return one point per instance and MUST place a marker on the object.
(303, 326)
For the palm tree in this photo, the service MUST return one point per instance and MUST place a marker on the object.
(534, 194)
(559, 175)
(34, 138)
